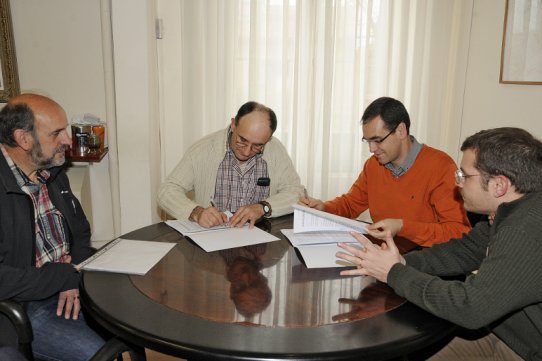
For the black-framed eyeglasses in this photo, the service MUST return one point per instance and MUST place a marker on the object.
(460, 176)
(380, 140)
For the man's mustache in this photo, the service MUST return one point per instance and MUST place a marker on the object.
(62, 148)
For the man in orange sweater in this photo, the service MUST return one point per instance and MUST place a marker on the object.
(409, 188)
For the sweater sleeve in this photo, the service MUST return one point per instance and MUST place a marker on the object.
(286, 185)
(508, 279)
(451, 218)
(172, 194)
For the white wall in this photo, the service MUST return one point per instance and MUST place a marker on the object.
(136, 104)
(489, 104)
(59, 54)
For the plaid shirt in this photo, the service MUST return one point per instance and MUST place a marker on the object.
(236, 185)
(51, 243)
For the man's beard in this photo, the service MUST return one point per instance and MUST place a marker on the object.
(36, 154)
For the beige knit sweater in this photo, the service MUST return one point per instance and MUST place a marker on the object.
(197, 172)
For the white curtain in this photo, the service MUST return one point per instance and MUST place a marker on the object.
(318, 64)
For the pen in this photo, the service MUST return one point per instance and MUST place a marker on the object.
(212, 202)
(305, 193)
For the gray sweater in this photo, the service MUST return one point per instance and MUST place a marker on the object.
(506, 291)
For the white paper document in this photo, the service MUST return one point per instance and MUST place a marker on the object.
(227, 237)
(311, 220)
(316, 234)
(187, 227)
(318, 250)
(127, 256)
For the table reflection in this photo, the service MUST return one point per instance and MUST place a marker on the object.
(260, 285)
(249, 289)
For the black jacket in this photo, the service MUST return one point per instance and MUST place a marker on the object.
(19, 278)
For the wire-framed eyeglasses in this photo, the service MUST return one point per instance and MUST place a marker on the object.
(379, 140)
(242, 143)
(460, 176)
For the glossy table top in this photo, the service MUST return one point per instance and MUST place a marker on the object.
(253, 303)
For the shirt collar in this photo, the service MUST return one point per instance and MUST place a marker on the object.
(415, 149)
(22, 179)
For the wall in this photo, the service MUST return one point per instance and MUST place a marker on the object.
(489, 104)
(136, 111)
(59, 54)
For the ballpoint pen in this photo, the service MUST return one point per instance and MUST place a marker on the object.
(305, 193)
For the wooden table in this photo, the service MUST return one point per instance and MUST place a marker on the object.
(255, 303)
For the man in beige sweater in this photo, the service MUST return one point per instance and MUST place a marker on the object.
(242, 169)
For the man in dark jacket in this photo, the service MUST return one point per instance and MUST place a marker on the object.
(501, 176)
(43, 230)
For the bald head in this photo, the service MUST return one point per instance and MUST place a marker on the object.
(33, 100)
(22, 111)
(33, 131)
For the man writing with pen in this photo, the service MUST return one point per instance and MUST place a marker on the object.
(242, 169)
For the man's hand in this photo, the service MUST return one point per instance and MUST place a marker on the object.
(371, 260)
(379, 229)
(244, 214)
(208, 217)
(69, 302)
(312, 203)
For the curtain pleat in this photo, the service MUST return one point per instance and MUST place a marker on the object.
(318, 64)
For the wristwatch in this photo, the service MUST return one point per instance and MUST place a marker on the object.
(266, 209)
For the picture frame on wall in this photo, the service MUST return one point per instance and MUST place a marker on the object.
(9, 77)
(521, 52)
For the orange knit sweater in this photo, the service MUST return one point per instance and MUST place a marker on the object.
(425, 197)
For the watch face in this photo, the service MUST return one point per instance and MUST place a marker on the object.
(266, 208)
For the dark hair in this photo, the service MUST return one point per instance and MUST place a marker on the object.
(252, 106)
(511, 152)
(392, 112)
(13, 117)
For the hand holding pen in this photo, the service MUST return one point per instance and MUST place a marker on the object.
(208, 217)
(311, 202)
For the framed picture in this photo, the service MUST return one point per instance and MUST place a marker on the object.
(9, 78)
(521, 52)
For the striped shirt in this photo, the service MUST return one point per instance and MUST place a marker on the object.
(236, 185)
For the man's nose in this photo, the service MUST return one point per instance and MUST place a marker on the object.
(66, 139)
(373, 146)
(246, 151)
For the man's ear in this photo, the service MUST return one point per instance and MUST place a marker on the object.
(501, 185)
(24, 139)
(232, 125)
(402, 130)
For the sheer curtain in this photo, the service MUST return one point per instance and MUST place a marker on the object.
(318, 64)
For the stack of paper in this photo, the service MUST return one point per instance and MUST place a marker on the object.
(221, 237)
(317, 233)
(127, 256)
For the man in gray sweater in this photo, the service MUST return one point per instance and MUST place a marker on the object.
(501, 176)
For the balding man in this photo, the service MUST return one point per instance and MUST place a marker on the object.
(242, 169)
(43, 230)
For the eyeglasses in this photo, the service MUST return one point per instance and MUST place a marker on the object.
(380, 140)
(242, 143)
(460, 176)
